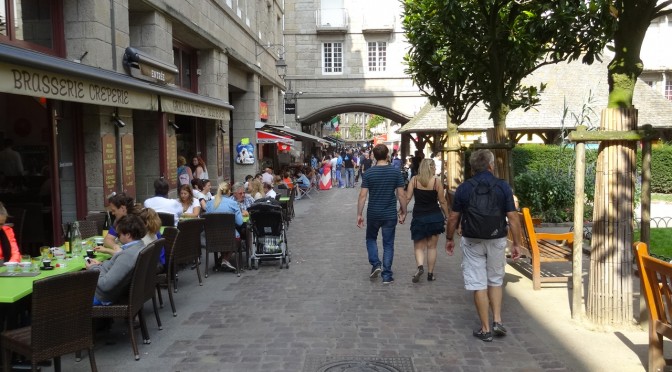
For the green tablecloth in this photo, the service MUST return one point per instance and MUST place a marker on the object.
(13, 289)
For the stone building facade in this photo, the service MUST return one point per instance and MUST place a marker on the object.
(101, 96)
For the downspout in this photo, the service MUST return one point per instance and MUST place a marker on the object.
(113, 38)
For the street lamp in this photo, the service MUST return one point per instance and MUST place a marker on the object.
(280, 63)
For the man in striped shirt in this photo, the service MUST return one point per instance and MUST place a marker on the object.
(379, 183)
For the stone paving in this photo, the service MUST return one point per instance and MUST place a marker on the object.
(325, 308)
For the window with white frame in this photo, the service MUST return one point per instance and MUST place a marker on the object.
(332, 58)
(377, 55)
(668, 88)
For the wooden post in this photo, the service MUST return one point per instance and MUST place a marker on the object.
(645, 223)
(610, 292)
(452, 159)
(578, 311)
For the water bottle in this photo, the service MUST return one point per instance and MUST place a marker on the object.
(76, 240)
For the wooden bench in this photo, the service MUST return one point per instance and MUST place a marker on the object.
(543, 247)
(656, 288)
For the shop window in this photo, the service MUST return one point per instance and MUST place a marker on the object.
(33, 24)
(187, 63)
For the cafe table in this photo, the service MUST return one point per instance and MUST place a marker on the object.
(14, 288)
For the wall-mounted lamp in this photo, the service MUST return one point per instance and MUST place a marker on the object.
(117, 121)
(172, 124)
(279, 50)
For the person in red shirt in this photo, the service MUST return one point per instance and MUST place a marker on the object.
(9, 250)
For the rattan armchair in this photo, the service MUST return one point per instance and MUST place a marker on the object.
(167, 277)
(61, 308)
(88, 228)
(220, 237)
(167, 219)
(140, 291)
(187, 248)
(99, 219)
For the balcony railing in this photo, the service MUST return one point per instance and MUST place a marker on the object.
(332, 20)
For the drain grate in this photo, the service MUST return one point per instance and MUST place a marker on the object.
(358, 364)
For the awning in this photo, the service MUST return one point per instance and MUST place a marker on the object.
(298, 134)
(267, 137)
(34, 74)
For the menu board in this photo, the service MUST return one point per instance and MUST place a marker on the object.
(128, 165)
(109, 165)
(171, 155)
(220, 155)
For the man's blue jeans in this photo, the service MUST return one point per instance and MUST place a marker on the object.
(349, 177)
(339, 179)
(388, 227)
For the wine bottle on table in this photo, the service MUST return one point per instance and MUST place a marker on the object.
(107, 223)
(67, 238)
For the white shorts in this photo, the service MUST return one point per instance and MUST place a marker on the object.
(483, 262)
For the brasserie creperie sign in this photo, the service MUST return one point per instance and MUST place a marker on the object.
(36, 83)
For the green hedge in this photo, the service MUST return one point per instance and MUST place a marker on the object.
(661, 168)
(544, 178)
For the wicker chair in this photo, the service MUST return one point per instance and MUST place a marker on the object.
(167, 219)
(220, 237)
(88, 228)
(99, 219)
(290, 205)
(61, 307)
(144, 277)
(167, 277)
(187, 248)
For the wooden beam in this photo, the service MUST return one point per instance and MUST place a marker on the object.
(582, 135)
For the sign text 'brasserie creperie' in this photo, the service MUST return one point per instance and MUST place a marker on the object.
(26, 81)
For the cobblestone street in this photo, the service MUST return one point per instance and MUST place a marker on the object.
(325, 309)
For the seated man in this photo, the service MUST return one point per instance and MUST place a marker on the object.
(160, 202)
(303, 182)
(268, 190)
(116, 273)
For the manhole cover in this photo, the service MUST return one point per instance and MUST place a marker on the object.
(358, 364)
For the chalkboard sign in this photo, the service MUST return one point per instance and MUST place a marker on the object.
(128, 164)
(109, 165)
(171, 158)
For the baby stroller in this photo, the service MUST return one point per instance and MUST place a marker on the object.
(269, 238)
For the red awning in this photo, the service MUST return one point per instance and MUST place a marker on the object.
(266, 137)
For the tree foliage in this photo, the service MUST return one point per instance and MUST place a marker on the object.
(633, 18)
(469, 51)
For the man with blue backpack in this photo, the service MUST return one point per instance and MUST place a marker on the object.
(482, 205)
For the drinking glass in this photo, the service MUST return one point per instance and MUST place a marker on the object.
(25, 258)
(46, 252)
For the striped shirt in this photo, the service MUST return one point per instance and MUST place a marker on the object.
(382, 182)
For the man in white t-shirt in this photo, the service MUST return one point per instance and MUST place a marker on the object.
(267, 176)
(160, 201)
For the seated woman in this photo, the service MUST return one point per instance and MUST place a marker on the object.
(256, 189)
(116, 273)
(9, 250)
(120, 205)
(153, 224)
(287, 180)
(190, 206)
(222, 203)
